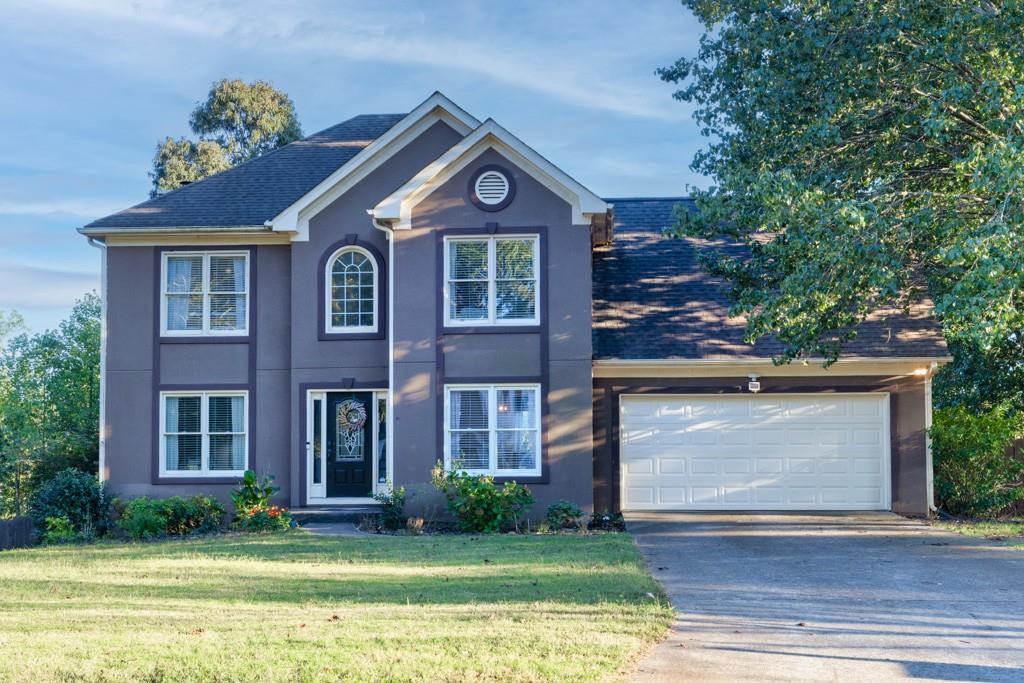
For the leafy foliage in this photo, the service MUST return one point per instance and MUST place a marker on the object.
(563, 514)
(237, 122)
(392, 513)
(253, 510)
(144, 518)
(76, 496)
(868, 154)
(57, 530)
(975, 474)
(478, 504)
(49, 404)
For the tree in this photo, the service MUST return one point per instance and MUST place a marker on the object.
(868, 153)
(237, 122)
(49, 404)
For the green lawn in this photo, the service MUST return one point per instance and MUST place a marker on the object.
(1010, 532)
(298, 607)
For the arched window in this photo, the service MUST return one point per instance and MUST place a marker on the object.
(351, 291)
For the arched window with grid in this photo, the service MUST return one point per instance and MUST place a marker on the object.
(351, 291)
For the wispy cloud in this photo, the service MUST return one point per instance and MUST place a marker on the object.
(23, 286)
(85, 208)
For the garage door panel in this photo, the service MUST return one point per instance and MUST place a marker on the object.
(796, 452)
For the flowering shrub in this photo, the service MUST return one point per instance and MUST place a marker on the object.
(253, 510)
(478, 503)
(259, 519)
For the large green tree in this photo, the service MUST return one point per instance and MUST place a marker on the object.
(869, 153)
(49, 403)
(238, 121)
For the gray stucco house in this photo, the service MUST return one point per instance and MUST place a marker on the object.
(401, 289)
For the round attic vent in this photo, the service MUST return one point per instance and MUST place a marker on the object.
(491, 188)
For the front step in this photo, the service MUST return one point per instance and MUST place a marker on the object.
(332, 514)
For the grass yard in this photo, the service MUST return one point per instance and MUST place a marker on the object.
(299, 607)
(1010, 532)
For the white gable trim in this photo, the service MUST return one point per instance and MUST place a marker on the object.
(437, 107)
(397, 208)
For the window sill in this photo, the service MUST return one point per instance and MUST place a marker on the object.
(204, 339)
(197, 479)
(532, 328)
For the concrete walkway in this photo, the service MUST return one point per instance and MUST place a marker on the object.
(862, 597)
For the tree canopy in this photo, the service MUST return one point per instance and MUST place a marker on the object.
(869, 153)
(238, 121)
(49, 403)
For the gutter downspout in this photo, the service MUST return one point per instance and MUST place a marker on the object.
(929, 462)
(389, 422)
(93, 242)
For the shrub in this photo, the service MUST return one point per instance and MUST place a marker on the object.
(563, 514)
(58, 530)
(143, 518)
(253, 511)
(254, 492)
(392, 513)
(195, 515)
(256, 519)
(480, 505)
(974, 472)
(77, 496)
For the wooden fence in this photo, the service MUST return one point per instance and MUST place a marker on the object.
(15, 533)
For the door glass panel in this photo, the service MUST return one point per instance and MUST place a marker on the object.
(318, 446)
(382, 451)
(349, 418)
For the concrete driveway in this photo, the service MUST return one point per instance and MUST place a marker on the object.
(860, 597)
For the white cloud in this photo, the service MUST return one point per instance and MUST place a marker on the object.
(33, 287)
(86, 208)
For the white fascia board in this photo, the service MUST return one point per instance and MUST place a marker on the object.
(397, 208)
(437, 107)
(614, 368)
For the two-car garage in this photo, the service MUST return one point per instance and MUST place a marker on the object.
(823, 451)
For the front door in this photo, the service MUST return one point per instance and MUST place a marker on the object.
(349, 461)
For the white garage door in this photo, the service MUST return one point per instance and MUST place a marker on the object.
(782, 452)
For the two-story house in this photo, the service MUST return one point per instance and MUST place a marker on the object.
(401, 289)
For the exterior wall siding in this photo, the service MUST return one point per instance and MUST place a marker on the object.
(556, 354)
(907, 425)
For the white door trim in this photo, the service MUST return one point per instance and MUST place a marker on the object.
(884, 396)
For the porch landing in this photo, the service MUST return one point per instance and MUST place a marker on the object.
(332, 514)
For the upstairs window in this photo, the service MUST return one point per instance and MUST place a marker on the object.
(351, 291)
(205, 293)
(491, 281)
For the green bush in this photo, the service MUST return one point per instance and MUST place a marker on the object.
(253, 511)
(392, 513)
(58, 530)
(563, 514)
(974, 473)
(144, 518)
(607, 521)
(76, 496)
(478, 504)
(253, 492)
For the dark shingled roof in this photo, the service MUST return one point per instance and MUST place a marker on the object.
(652, 300)
(258, 190)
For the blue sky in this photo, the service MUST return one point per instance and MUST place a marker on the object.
(90, 86)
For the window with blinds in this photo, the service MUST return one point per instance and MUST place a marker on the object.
(351, 291)
(491, 281)
(205, 293)
(204, 434)
(493, 429)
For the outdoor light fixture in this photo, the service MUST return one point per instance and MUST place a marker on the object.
(753, 385)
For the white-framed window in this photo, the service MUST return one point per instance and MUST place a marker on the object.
(493, 429)
(204, 433)
(491, 280)
(204, 293)
(351, 291)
